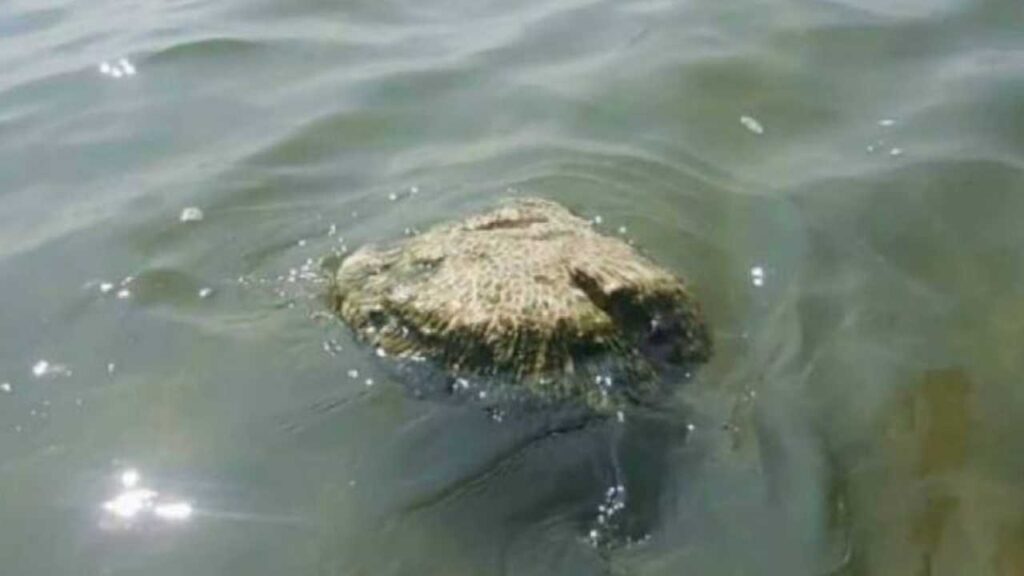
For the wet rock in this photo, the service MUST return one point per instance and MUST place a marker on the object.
(528, 293)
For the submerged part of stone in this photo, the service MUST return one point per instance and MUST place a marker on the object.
(528, 293)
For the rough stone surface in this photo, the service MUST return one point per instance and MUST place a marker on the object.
(530, 293)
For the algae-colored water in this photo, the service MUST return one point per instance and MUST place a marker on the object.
(843, 183)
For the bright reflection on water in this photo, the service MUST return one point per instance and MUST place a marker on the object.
(136, 504)
(841, 181)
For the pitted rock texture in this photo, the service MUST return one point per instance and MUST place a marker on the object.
(530, 293)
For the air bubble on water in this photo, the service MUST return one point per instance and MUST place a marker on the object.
(414, 190)
(191, 214)
(896, 152)
(124, 294)
(6, 387)
(886, 122)
(111, 367)
(301, 243)
(598, 220)
(353, 374)
(392, 196)
(620, 416)
(757, 275)
(45, 369)
(127, 67)
(622, 230)
(381, 353)
(751, 123)
(332, 230)
(690, 427)
(121, 68)
(482, 395)
(369, 382)
(205, 292)
(106, 287)
(332, 347)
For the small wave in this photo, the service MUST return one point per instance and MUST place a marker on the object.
(208, 48)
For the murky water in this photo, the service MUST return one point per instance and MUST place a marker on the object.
(842, 181)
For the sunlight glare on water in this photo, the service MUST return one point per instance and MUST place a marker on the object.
(839, 182)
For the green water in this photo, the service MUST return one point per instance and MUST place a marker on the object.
(864, 412)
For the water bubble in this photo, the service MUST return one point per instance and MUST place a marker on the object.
(124, 294)
(751, 123)
(757, 275)
(127, 67)
(301, 243)
(896, 152)
(598, 220)
(111, 367)
(119, 69)
(353, 374)
(369, 382)
(6, 387)
(622, 230)
(45, 368)
(106, 287)
(191, 214)
(886, 122)
(205, 292)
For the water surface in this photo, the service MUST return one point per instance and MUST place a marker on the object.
(842, 181)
